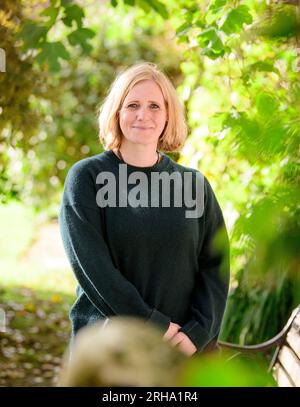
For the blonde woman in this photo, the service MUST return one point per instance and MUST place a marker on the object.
(134, 243)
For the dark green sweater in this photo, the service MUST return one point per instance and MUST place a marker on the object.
(149, 262)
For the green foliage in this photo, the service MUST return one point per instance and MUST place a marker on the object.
(257, 314)
(80, 37)
(73, 13)
(224, 371)
(280, 21)
(235, 19)
(247, 142)
(51, 52)
(211, 44)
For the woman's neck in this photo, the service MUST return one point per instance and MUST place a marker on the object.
(139, 156)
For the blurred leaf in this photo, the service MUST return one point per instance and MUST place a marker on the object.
(30, 307)
(279, 21)
(80, 37)
(266, 104)
(183, 28)
(220, 371)
(211, 43)
(235, 19)
(56, 298)
(73, 13)
(159, 7)
(51, 52)
(33, 34)
(217, 6)
(52, 13)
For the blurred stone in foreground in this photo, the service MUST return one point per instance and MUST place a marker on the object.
(123, 352)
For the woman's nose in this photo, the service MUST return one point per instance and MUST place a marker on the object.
(143, 112)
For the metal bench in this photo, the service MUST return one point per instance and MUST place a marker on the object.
(285, 363)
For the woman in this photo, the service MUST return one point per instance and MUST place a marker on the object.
(139, 253)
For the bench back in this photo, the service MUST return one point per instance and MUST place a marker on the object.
(286, 360)
(285, 364)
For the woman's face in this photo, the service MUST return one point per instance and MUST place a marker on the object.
(143, 114)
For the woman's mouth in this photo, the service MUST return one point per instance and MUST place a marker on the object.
(142, 128)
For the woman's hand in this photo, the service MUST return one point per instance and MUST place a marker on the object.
(172, 331)
(184, 343)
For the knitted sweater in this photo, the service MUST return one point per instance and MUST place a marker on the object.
(149, 261)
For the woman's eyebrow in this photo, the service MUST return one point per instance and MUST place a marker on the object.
(151, 101)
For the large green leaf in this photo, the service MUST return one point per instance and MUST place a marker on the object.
(211, 43)
(160, 8)
(235, 19)
(80, 37)
(51, 52)
(266, 104)
(73, 13)
(33, 34)
(52, 13)
(217, 6)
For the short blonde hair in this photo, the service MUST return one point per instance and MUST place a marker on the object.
(175, 131)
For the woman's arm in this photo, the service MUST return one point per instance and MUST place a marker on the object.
(83, 238)
(212, 281)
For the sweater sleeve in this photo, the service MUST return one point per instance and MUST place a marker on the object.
(212, 280)
(81, 226)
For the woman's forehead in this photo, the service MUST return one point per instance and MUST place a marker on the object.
(146, 88)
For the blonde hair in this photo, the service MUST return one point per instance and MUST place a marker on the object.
(175, 131)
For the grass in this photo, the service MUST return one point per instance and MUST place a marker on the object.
(20, 225)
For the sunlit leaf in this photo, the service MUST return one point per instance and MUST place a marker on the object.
(266, 104)
(235, 19)
(211, 43)
(216, 6)
(160, 8)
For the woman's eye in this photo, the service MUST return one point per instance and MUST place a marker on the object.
(153, 106)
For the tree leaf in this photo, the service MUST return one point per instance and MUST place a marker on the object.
(80, 37)
(183, 28)
(73, 13)
(51, 52)
(32, 34)
(235, 19)
(160, 8)
(217, 6)
(212, 44)
(266, 104)
(52, 13)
